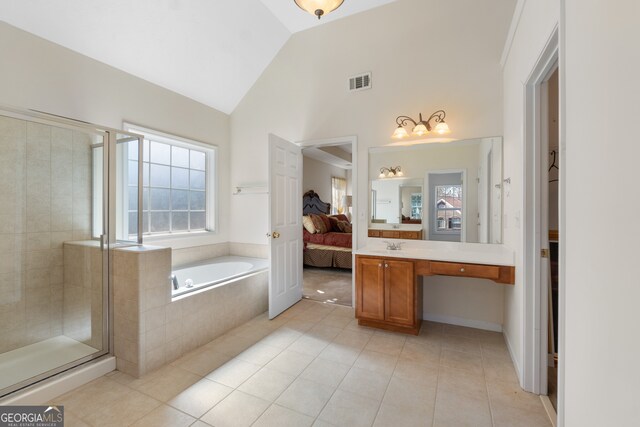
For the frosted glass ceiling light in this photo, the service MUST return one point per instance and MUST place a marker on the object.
(421, 127)
(318, 7)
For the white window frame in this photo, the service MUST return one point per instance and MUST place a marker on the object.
(455, 231)
(211, 181)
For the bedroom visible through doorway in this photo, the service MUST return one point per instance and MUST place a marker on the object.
(327, 219)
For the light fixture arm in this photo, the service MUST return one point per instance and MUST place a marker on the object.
(402, 120)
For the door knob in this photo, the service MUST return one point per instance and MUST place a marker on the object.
(275, 234)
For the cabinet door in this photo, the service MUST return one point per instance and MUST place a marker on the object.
(370, 288)
(399, 292)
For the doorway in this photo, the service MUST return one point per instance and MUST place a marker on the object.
(329, 176)
(543, 200)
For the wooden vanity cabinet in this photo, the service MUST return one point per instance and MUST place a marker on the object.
(388, 295)
(396, 234)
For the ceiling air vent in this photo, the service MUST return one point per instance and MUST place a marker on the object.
(360, 82)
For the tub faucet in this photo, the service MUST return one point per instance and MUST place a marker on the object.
(174, 281)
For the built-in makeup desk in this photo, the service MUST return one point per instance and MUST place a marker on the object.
(388, 292)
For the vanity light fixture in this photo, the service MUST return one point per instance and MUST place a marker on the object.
(390, 172)
(318, 7)
(421, 127)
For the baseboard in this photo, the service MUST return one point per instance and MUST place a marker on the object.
(47, 390)
(516, 365)
(551, 412)
(461, 321)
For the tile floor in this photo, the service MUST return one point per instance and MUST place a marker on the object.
(314, 365)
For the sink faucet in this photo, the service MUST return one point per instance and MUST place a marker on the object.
(394, 246)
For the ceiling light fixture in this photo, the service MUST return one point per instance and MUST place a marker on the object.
(421, 127)
(318, 7)
(390, 172)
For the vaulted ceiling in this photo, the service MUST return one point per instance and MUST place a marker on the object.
(211, 51)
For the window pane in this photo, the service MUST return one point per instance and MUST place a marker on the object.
(145, 174)
(145, 199)
(179, 178)
(160, 153)
(198, 160)
(197, 180)
(159, 221)
(133, 223)
(198, 221)
(160, 199)
(180, 157)
(179, 200)
(132, 149)
(145, 150)
(133, 172)
(160, 176)
(145, 222)
(133, 198)
(180, 221)
(197, 201)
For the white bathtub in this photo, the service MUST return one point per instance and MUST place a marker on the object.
(215, 272)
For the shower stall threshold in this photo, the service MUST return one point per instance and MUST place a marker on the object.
(36, 359)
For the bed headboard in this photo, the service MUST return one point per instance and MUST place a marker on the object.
(311, 204)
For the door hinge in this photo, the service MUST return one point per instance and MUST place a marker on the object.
(544, 253)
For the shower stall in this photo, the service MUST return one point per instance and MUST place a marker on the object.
(59, 200)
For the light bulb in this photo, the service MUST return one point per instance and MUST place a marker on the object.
(400, 133)
(420, 129)
(442, 128)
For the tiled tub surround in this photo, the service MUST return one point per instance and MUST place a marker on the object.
(45, 176)
(312, 364)
(150, 330)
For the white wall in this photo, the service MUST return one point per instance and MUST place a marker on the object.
(317, 176)
(534, 27)
(601, 136)
(421, 58)
(41, 75)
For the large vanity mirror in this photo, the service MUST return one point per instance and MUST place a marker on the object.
(449, 191)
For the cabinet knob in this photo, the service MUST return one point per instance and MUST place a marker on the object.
(462, 270)
(386, 265)
(379, 265)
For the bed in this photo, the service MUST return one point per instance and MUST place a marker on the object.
(326, 249)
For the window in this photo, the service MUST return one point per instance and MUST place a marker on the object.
(448, 199)
(416, 205)
(177, 185)
(338, 191)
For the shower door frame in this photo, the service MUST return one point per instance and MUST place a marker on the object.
(107, 237)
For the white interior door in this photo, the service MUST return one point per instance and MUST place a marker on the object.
(285, 220)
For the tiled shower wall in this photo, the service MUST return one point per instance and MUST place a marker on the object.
(45, 200)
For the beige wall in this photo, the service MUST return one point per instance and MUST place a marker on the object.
(422, 61)
(600, 114)
(317, 176)
(41, 75)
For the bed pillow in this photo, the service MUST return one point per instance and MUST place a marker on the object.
(307, 223)
(344, 227)
(340, 217)
(319, 224)
(334, 224)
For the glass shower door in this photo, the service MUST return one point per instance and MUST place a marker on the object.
(53, 266)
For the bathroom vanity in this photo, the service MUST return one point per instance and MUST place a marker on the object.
(389, 293)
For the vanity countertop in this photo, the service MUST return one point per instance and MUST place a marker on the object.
(472, 253)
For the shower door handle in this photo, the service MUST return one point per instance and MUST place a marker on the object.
(103, 239)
